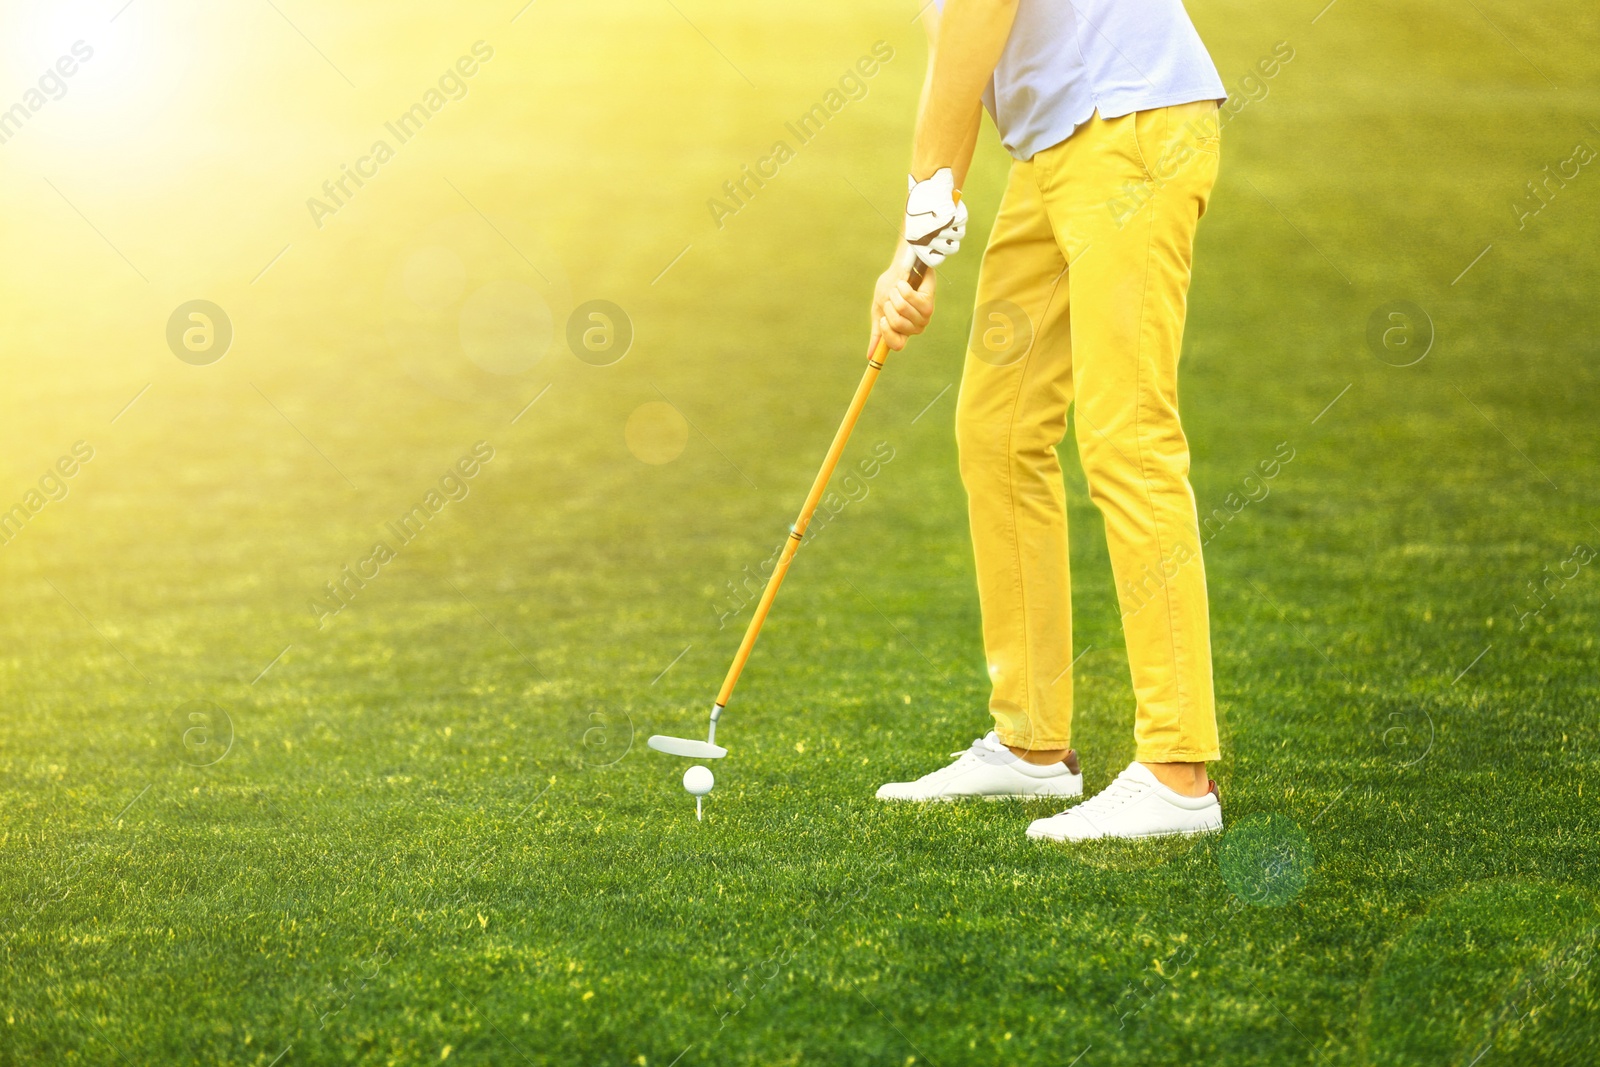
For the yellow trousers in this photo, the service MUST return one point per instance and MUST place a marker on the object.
(1080, 304)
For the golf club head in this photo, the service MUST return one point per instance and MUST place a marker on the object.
(682, 746)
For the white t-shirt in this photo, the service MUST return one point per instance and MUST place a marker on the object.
(1066, 60)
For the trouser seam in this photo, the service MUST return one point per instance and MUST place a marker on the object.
(1139, 448)
(1011, 508)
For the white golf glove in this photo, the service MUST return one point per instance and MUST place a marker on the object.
(935, 220)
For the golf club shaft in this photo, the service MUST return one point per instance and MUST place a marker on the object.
(798, 530)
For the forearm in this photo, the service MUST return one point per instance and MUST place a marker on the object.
(963, 160)
(970, 37)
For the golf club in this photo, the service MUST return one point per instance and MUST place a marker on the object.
(709, 749)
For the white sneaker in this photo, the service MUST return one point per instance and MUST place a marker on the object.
(1134, 805)
(989, 769)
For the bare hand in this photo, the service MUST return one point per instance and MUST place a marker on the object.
(900, 312)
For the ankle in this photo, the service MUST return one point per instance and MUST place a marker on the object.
(1043, 757)
(1185, 779)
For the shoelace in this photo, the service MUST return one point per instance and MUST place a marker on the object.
(979, 748)
(1119, 792)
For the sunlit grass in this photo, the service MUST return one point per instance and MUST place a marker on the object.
(425, 826)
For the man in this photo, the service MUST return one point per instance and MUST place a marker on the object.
(1109, 110)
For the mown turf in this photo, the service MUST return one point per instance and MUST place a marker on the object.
(434, 832)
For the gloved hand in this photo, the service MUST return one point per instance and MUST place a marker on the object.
(935, 220)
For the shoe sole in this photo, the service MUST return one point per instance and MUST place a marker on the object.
(979, 796)
(1197, 832)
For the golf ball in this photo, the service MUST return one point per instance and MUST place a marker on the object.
(698, 781)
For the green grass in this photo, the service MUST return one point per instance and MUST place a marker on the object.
(437, 832)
